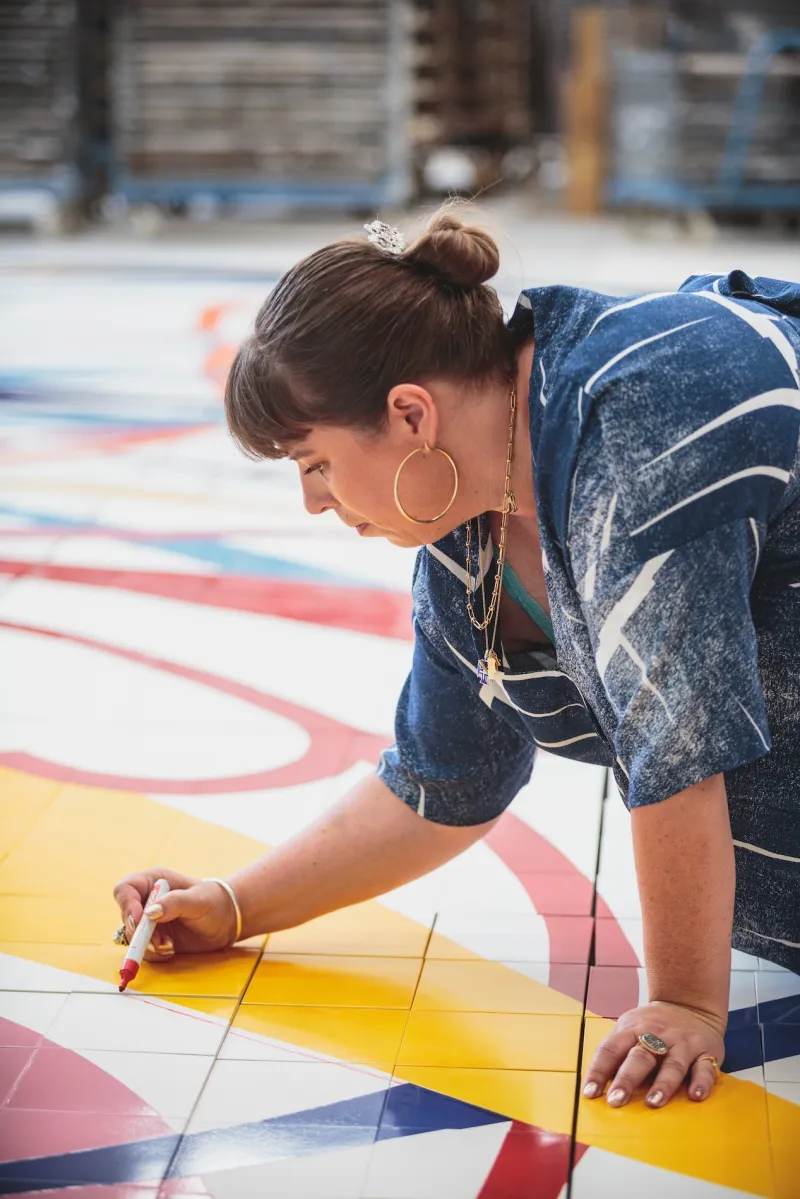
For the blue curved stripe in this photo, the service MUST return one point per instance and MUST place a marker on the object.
(404, 1110)
(230, 559)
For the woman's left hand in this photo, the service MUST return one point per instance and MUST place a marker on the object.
(690, 1034)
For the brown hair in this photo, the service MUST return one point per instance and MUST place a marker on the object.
(351, 321)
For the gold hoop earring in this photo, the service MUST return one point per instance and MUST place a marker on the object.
(432, 519)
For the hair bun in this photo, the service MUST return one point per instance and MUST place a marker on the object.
(463, 255)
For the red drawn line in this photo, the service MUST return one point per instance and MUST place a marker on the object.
(333, 746)
(382, 613)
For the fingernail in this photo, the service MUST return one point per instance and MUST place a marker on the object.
(655, 1099)
(590, 1090)
(165, 949)
(151, 947)
(617, 1097)
(699, 1093)
(131, 923)
(154, 912)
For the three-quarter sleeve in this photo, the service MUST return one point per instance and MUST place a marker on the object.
(688, 452)
(454, 760)
(675, 647)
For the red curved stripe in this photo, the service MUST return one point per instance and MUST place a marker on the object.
(384, 613)
(333, 746)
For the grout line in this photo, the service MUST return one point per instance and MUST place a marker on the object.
(257, 961)
(590, 963)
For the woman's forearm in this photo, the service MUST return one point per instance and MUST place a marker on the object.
(686, 875)
(367, 844)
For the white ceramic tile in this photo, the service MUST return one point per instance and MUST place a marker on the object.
(773, 985)
(451, 1162)
(763, 964)
(743, 961)
(563, 803)
(133, 1023)
(245, 1092)
(514, 937)
(242, 1045)
(34, 1011)
(742, 989)
(169, 1083)
(620, 892)
(331, 1175)
(22, 974)
(783, 1069)
(605, 1175)
(790, 1091)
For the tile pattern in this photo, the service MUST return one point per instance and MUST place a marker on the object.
(174, 628)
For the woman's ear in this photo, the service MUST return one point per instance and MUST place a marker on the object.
(412, 414)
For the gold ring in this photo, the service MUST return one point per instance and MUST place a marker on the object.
(653, 1044)
(121, 936)
(709, 1057)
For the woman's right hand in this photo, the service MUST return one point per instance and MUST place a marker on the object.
(198, 916)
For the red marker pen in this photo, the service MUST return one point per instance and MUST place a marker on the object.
(141, 938)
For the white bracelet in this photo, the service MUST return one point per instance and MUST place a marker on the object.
(227, 887)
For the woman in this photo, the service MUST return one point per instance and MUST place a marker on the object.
(608, 496)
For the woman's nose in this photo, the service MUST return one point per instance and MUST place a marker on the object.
(316, 497)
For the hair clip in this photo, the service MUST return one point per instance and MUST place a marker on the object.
(385, 237)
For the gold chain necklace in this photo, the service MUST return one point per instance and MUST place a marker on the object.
(489, 666)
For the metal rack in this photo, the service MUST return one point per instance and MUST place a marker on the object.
(704, 115)
(39, 129)
(267, 102)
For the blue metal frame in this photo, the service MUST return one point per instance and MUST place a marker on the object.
(137, 190)
(730, 190)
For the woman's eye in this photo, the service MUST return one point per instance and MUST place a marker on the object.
(309, 470)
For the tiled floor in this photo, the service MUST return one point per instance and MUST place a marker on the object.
(171, 625)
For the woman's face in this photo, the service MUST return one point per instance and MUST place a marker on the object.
(352, 474)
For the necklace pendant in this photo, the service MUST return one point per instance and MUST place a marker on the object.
(489, 668)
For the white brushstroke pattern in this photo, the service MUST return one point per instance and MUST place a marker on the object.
(765, 326)
(754, 527)
(625, 644)
(611, 631)
(638, 346)
(767, 853)
(542, 396)
(773, 472)
(784, 397)
(776, 940)
(606, 539)
(655, 295)
(755, 726)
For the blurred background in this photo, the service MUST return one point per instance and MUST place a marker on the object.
(132, 114)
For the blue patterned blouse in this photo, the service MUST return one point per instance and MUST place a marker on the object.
(665, 433)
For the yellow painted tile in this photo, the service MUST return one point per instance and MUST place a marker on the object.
(217, 1007)
(23, 800)
(63, 878)
(487, 987)
(34, 918)
(365, 928)
(224, 974)
(595, 1030)
(784, 1126)
(732, 1114)
(74, 958)
(744, 1169)
(490, 1040)
(541, 1097)
(786, 1167)
(370, 1036)
(334, 981)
